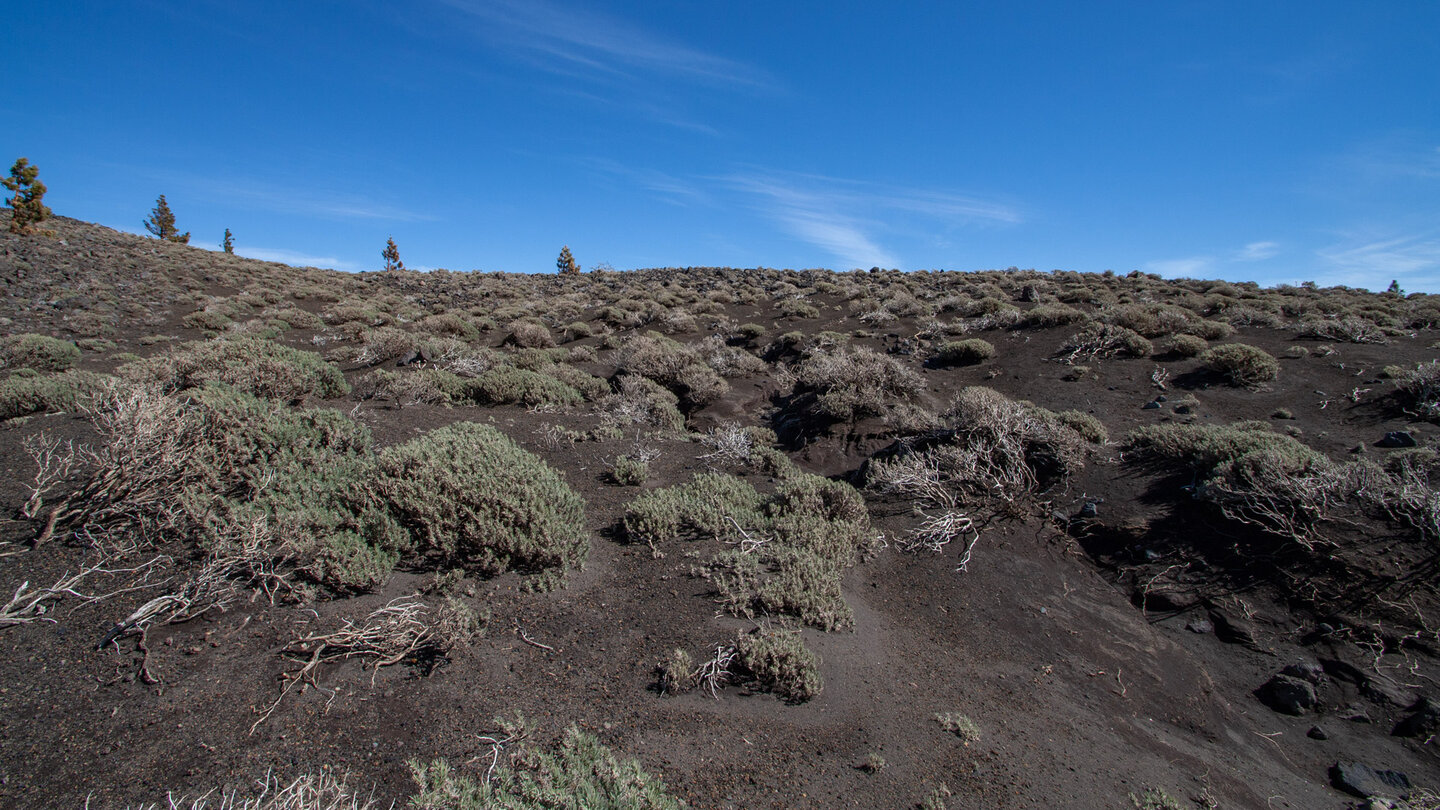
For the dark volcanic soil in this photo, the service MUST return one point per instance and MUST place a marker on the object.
(1100, 656)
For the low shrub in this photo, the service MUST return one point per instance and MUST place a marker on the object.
(384, 344)
(24, 394)
(260, 367)
(640, 401)
(853, 382)
(991, 448)
(1044, 316)
(1090, 428)
(474, 499)
(792, 547)
(530, 335)
(675, 366)
(629, 471)
(1185, 346)
(579, 773)
(1241, 364)
(777, 660)
(507, 385)
(1252, 474)
(39, 352)
(964, 352)
(1419, 387)
(208, 320)
(1345, 329)
(960, 725)
(1104, 340)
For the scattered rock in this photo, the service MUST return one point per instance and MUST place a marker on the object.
(1287, 694)
(1232, 629)
(1162, 398)
(1317, 733)
(1166, 598)
(1372, 685)
(1424, 720)
(1150, 406)
(1305, 670)
(1184, 408)
(1397, 438)
(1355, 714)
(1201, 626)
(1359, 779)
(1089, 509)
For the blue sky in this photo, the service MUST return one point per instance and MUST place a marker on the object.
(1274, 142)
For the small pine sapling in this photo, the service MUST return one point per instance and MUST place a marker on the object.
(26, 207)
(566, 263)
(391, 255)
(228, 245)
(162, 223)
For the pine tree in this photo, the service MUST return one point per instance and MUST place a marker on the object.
(229, 244)
(27, 210)
(162, 223)
(566, 263)
(391, 255)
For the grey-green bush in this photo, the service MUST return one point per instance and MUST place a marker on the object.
(1241, 363)
(40, 352)
(473, 498)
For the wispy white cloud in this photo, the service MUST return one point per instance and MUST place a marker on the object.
(1367, 261)
(573, 36)
(1258, 252)
(1399, 156)
(1191, 267)
(667, 187)
(847, 218)
(249, 192)
(326, 205)
(293, 257)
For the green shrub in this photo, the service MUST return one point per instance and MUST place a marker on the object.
(260, 367)
(1241, 363)
(208, 320)
(677, 673)
(592, 388)
(699, 509)
(24, 394)
(1048, 315)
(960, 725)
(964, 352)
(580, 773)
(306, 473)
(474, 499)
(40, 352)
(1347, 329)
(1152, 320)
(795, 544)
(640, 401)
(507, 385)
(531, 335)
(629, 471)
(1419, 388)
(1090, 429)
(450, 324)
(778, 661)
(677, 367)
(578, 330)
(1252, 474)
(298, 318)
(1185, 346)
